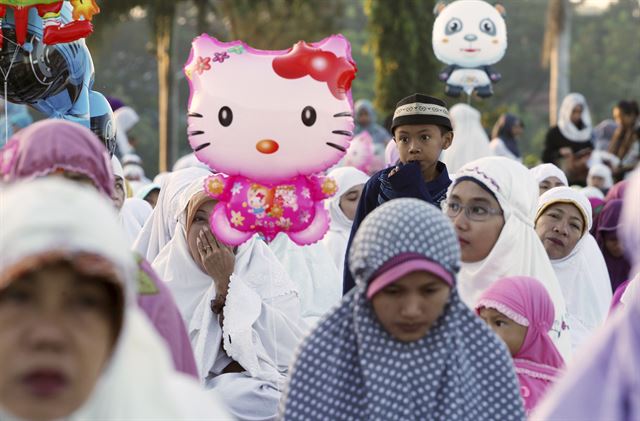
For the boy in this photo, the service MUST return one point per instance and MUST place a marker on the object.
(421, 129)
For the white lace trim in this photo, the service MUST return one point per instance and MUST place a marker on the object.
(516, 317)
(535, 374)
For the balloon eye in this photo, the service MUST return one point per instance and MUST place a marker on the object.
(453, 26)
(488, 27)
(225, 116)
(309, 116)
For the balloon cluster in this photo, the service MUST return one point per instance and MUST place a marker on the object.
(45, 63)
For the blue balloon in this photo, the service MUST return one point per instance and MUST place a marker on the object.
(56, 80)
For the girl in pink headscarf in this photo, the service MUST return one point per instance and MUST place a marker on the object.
(519, 310)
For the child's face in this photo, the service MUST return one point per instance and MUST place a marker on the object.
(421, 143)
(511, 333)
(408, 308)
(596, 181)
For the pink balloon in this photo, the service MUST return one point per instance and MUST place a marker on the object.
(361, 154)
(270, 122)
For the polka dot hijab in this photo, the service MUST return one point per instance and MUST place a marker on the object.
(349, 367)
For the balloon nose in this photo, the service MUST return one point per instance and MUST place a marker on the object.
(267, 146)
(470, 37)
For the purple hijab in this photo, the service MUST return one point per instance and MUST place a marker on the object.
(607, 224)
(602, 383)
(617, 191)
(51, 145)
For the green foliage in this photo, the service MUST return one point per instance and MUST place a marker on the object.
(391, 44)
(605, 57)
(400, 41)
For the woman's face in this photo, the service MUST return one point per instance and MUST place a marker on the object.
(613, 246)
(576, 114)
(549, 183)
(118, 192)
(560, 227)
(152, 197)
(349, 201)
(477, 235)
(511, 333)
(57, 331)
(408, 308)
(517, 129)
(624, 120)
(199, 222)
(363, 118)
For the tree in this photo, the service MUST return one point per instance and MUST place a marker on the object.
(161, 17)
(268, 24)
(557, 53)
(401, 45)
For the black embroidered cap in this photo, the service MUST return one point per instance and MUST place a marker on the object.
(421, 109)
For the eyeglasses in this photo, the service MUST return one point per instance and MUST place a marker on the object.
(477, 213)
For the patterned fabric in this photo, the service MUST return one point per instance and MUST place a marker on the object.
(349, 367)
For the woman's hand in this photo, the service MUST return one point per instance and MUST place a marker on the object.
(219, 262)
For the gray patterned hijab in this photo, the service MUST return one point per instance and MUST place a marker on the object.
(350, 368)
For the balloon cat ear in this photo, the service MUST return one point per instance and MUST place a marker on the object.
(439, 7)
(501, 9)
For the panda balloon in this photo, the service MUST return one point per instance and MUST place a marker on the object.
(469, 36)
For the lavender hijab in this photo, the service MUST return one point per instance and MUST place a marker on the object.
(611, 360)
(350, 368)
(51, 145)
(608, 223)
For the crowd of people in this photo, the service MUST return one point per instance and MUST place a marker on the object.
(453, 283)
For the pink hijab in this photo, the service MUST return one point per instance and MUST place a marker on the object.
(526, 301)
(51, 145)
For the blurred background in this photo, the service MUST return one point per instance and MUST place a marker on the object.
(586, 46)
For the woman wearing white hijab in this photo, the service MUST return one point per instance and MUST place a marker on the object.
(133, 214)
(241, 309)
(548, 176)
(600, 177)
(126, 117)
(492, 205)
(471, 141)
(571, 139)
(350, 183)
(159, 227)
(119, 189)
(313, 272)
(62, 271)
(563, 221)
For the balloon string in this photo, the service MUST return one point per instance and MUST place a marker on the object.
(275, 332)
(6, 77)
(6, 114)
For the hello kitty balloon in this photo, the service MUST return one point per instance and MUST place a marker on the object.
(469, 36)
(270, 122)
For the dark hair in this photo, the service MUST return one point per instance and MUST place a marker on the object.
(443, 130)
(628, 107)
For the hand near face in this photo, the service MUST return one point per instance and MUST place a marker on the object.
(218, 261)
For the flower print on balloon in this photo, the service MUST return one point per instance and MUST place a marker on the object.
(270, 123)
